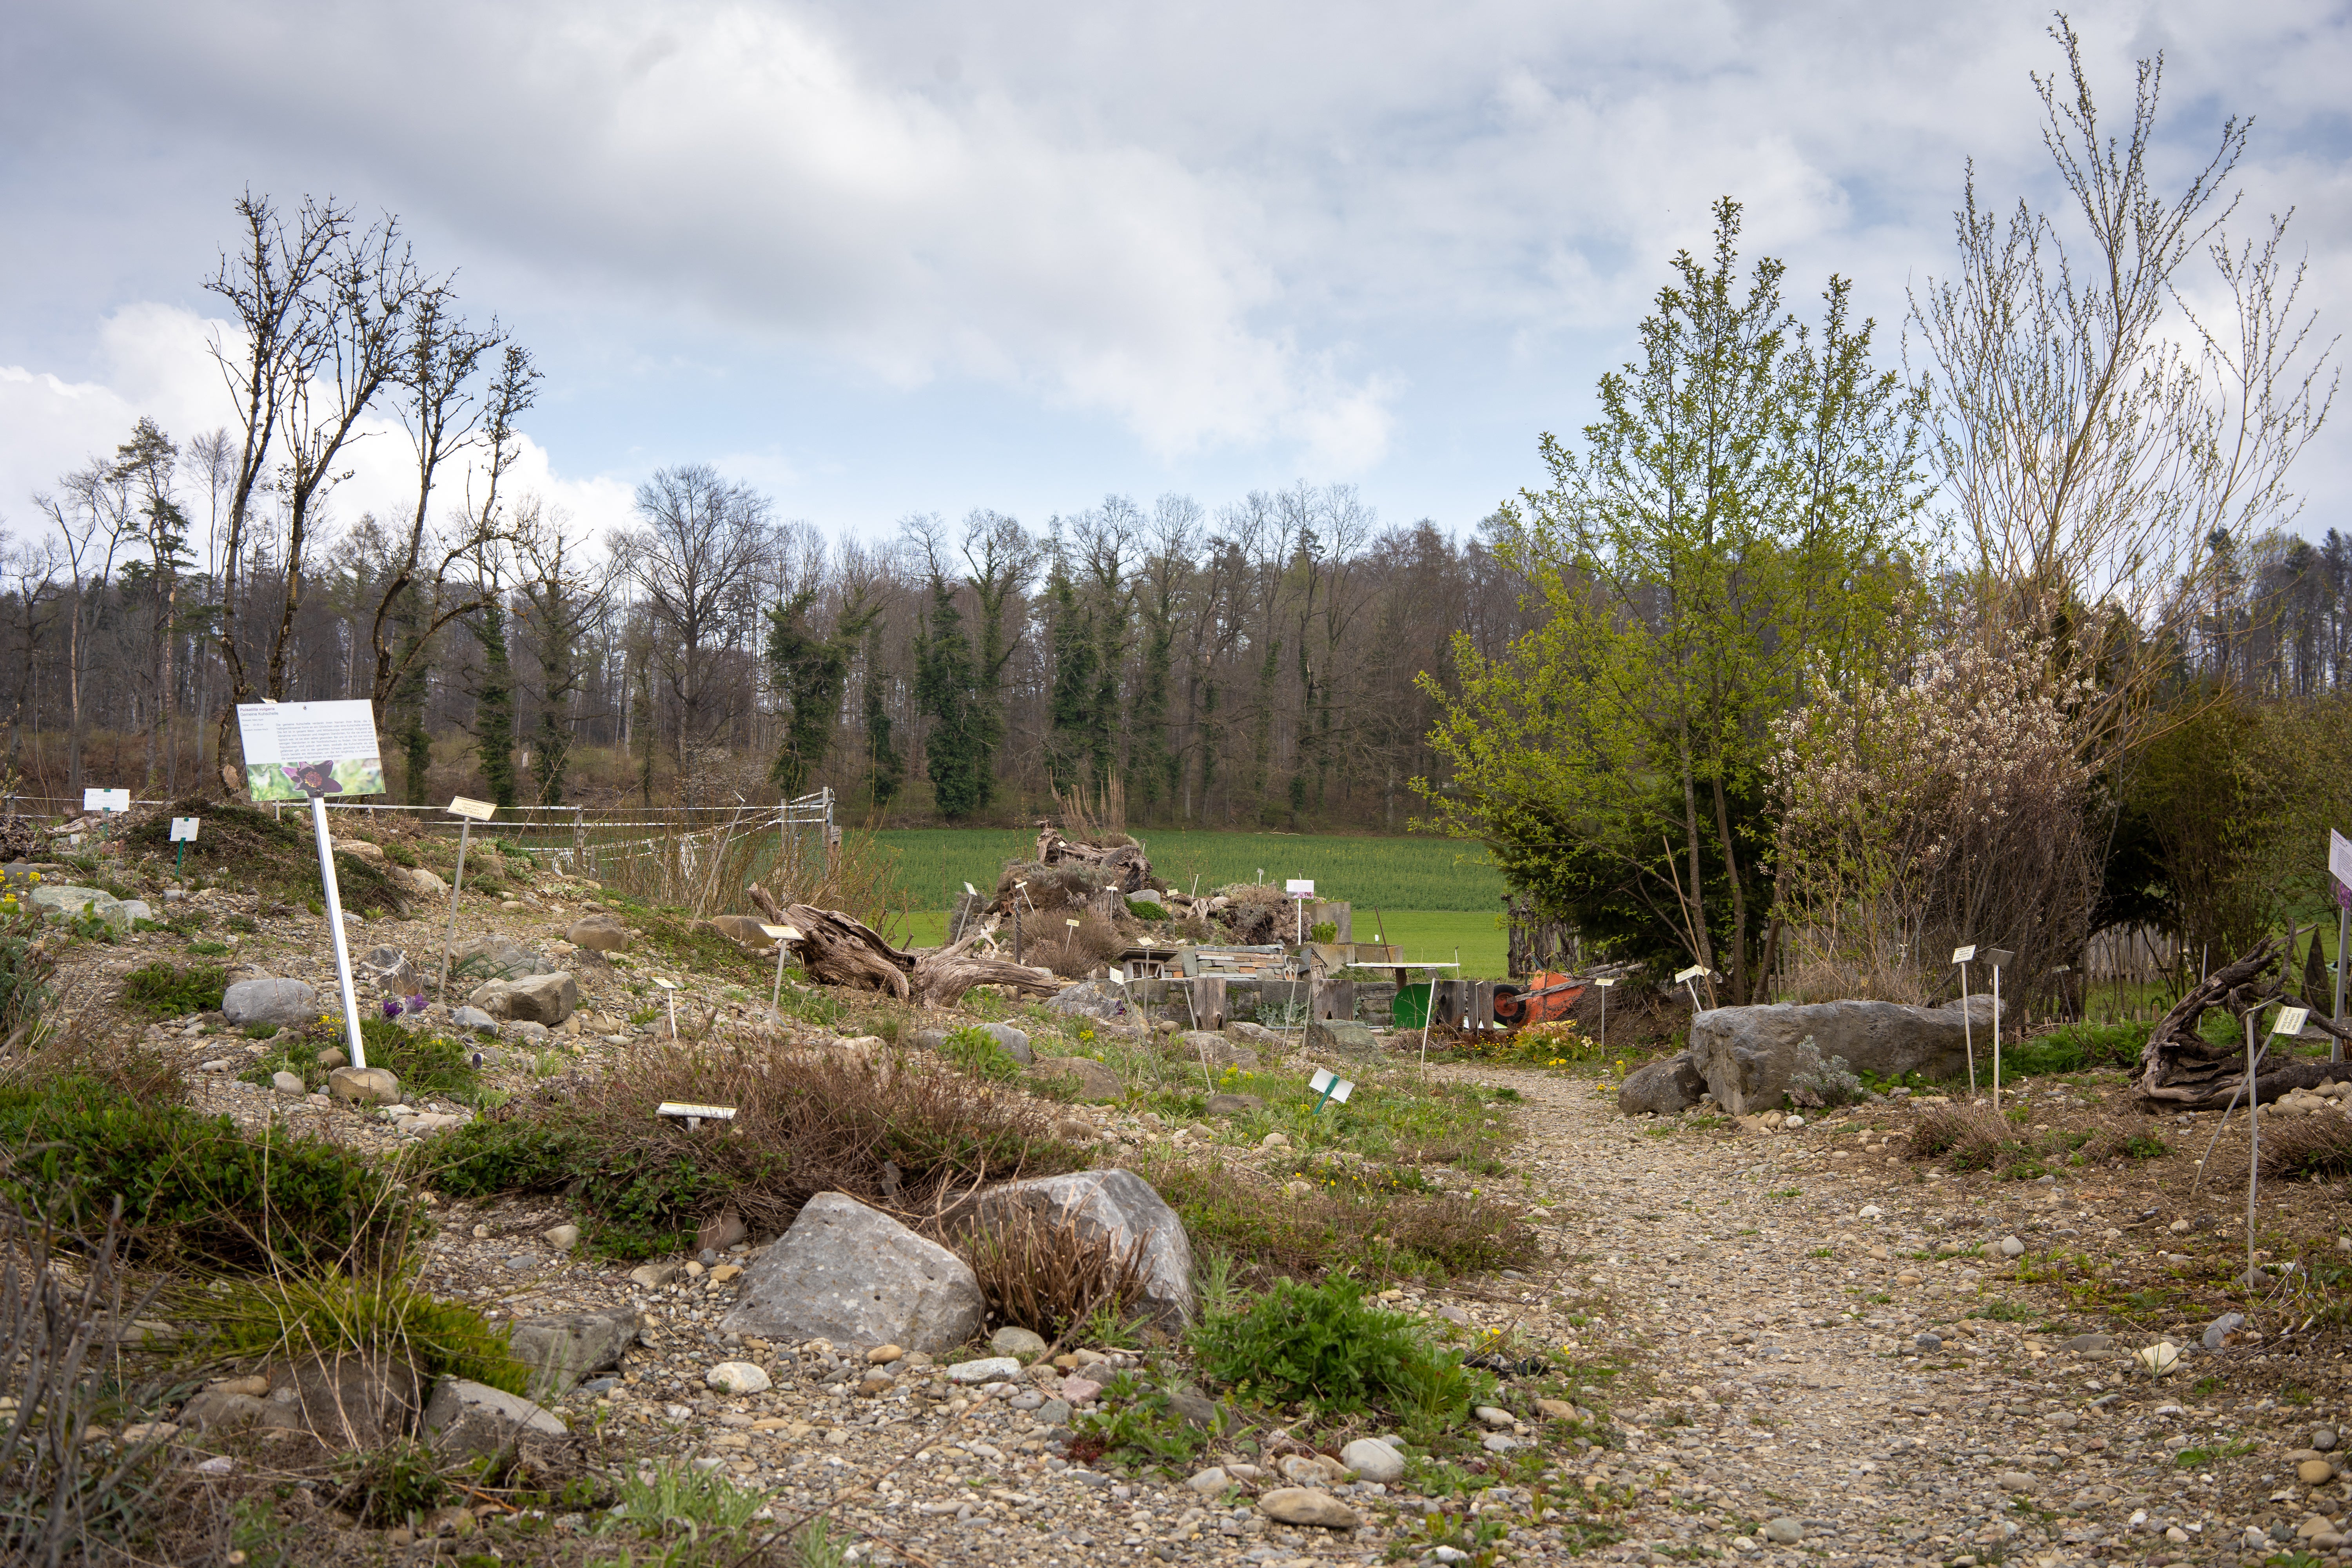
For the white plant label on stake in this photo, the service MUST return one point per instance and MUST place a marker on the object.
(970, 891)
(669, 991)
(1330, 1087)
(1687, 979)
(1605, 983)
(106, 800)
(694, 1116)
(1996, 957)
(2339, 857)
(183, 829)
(1960, 955)
(471, 812)
(2339, 866)
(779, 935)
(2290, 1021)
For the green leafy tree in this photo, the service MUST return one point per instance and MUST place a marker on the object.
(959, 752)
(1739, 516)
(494, 704)
(812, 675)
(1070, 714)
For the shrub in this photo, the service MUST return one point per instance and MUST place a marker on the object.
(1044, 1275)
(2072, 1047)
(196, 1189)
(162, 990)
(1327, 1346)
(27, 967)
(392, 1484)
(1323, 930)
(333, 1315)
(806, 1121)
(1814, 1082)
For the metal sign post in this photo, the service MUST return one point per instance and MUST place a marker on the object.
(2339, 866)
(1688, 980)
(2288, 1023)
(183, 833)
(1997, 957)
(1605, 983)
(779, 935)
(471, 811)
(1301, 890)
(669, 991)
(1960, 955)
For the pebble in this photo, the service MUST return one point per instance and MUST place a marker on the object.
(988, 1369)
(1022, 1344)
(2313, 1472)
(1308, 1506)
(738, 1377)
(562, 1237)
(883, 1355)
(2014, 1481)
(1930, 1342)
(1211, 1481)
(1373, 1461)
(1275, 1141)
(2323, 1438)
(2218, 1331)
(289, 1083)
(1080, 1390)
(1490, 1415)
(2012, 1248)
(1870, 1211)
(1784, 1531)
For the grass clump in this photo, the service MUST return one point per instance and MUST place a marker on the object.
(1048, 1276)
(198, 1190)
(334, 1316)
(162, 990)
(979, 1053)
(2307, 1146)
(2073, 1047)
(806, 1121)
(1326, 1346)
(1390, 1235)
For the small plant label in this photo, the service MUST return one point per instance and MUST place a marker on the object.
(694, 1116)
(183, 829)
(1685, 977)
(106, 800)
(1962, 954)
(1330, 1087)
(2339, 857)
(2290, 1021)
(1072, 924)
(1299, 887)
(781, 933)
(480, 810)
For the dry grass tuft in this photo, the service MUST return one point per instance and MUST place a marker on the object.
(1044, 1273)
(2310, 1146)
(1079, 949)
(1967, 1137)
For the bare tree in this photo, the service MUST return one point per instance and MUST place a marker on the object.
(93, 521)
(704, 542)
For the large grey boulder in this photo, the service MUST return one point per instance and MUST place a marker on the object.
(1666, 1088)
(283, 1003)
(464, 1419)
(1117, 1206)
(534, 999)
(1095, 999)
(1012, 1041)
(496, 958)
(1343, 1035)
(855, 1276)
(562, 1350)
(1747, 1054)
(65, 899)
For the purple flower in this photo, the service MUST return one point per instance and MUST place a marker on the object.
(416, 1003)
(392, 1007)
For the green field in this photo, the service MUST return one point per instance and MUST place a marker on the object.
(1430, 896)
(934, 863)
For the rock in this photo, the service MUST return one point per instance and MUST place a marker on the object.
(464, 1419)
(2324, 1439)
(1217, 1050)
(1275, 1141)
(1018, 1342)
(137, 910)
(1011, 1041)
(741, 1377)
(1080, 1390)
(1747, 1054)
(1211, 1481)
(1054, 1413)
(1233, 1105)
(2218, 1331)
(2315, 1472)
(474, 1018)
(64, 899)
(883, 1355)
(332, 1058)
(1666, 1088)
(1929, 1342)
(1488, 1415)
(1117, 1206)
(289, 1083)
(388, 967)
(1551, 1410)
(1312, 1470)
(564, 1349)
(2090, 1344)
(1196, 1409)
(2014, 1481)
(220, 1408)
(535, 998)
(2012, 1248)
(1095, 1081)
(364, 1086)
(1257, 1035)
(1870, 1211)
(426, 884)
(847, 1273)
(653, 1276)
(987, 1369)
(527, 1033)
(1095, 999)
(1343, 1035)
(284, 1003)
(720, 1232)
(350, 1402)
(1784, 1531)
(2159, 1358)
(1373, 1461)
(1308, 1505)
(1499, 1443)
(604, 934)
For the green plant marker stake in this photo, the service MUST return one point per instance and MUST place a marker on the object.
(1330, 1087)
(183, 833)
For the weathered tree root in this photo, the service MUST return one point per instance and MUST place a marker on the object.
(2180, 1070)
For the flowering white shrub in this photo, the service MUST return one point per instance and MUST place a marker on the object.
(1937, 810)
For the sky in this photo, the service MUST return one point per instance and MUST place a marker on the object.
(881, 261)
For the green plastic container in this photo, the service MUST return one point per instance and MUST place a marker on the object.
(1410, 1008)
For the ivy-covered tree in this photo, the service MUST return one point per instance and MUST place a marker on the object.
(812, 675)
(959, 752)
(494, 705)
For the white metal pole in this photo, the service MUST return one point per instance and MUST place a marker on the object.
(2253, 1146)
(335, 929)
(2343, 930)
(465, 836)
(1996, 1036)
